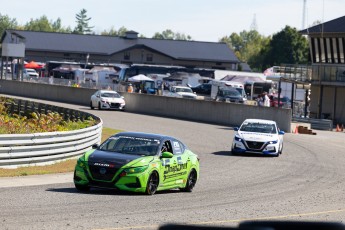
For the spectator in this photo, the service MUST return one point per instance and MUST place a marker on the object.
(259, 100)
(266, 100)
(130, 88)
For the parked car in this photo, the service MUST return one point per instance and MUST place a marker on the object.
(284, 101)
(30, 73)
(181, 91)
(204, 89)
(230, 95)
(138, 162)
(107, 99)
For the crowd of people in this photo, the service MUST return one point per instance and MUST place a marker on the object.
(263, 100)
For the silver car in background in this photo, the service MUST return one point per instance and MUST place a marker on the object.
(107, 99)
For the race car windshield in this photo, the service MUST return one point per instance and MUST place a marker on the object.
(185, 90)
(131, 145)
(114, 95)
(258, 128)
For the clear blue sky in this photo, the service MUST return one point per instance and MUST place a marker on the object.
(203, 20)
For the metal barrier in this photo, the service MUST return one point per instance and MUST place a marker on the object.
(44, 148)
(320, 124)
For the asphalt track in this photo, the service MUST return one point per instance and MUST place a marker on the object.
(305, 183)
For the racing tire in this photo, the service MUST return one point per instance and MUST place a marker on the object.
(281, 150)
(82, 188)
(91, 106)
(152, 183)
(99, 106)
(191, 181)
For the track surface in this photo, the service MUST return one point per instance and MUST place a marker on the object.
(305, 183)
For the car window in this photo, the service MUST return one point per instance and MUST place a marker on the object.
(131, 145)
(178, 147)
(166, 147)
(231, 93)
(258, 127)
(110, 95)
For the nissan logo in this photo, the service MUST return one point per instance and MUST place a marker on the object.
(102, 171)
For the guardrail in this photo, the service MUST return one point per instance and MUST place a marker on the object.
(319, 124)
(44, 148)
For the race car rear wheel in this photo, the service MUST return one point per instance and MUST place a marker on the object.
(82, 188)
(191, 181)
(152, 183)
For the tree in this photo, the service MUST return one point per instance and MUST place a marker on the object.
(43, 24)
(7, 23)
(247, 46)
(82, 23)
(57, 27)
(170, 35)
(287, 46)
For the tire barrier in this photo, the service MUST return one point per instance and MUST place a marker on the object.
(44, 148)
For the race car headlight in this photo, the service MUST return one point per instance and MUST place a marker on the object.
(136, 169)
(81, 162)
(237, 138)
(273, 142)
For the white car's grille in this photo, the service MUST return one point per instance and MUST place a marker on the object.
(255, 145)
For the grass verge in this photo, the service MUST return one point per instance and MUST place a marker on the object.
(61, 167)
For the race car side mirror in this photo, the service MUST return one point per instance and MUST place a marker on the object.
(281, 132)
(95, 146)
(236, 129)
(167, 155)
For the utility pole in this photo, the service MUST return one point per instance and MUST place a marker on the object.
(254, 25)
(304, 13)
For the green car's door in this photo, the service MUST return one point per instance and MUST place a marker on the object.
(175, 168)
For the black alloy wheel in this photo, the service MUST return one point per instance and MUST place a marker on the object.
(192, 178)
(152, 183)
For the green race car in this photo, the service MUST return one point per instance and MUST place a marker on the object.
(138, 162)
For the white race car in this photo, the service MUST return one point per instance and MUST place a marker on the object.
(107, 99)
(258, 136)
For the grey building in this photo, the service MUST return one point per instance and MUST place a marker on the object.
(130, 49)
(327, 78)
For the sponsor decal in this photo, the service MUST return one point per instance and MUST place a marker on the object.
(175, 168)
(104, 165)
(174, 175)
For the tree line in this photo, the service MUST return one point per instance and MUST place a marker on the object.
(260, 52)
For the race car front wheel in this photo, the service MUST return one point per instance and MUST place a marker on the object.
(152, 183)
(191, 181)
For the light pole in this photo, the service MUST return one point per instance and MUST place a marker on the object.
(87, 60)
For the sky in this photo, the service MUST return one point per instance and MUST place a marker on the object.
(203, 20)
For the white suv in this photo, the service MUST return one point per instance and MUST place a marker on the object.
(30, 73)
(181, 91)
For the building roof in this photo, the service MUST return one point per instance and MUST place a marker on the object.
(108, 45)
(334, 26)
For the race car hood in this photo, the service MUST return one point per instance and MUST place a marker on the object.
(112, 158)
(113, 99)
(260, 137)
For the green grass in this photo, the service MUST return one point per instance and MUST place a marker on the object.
(61, 167)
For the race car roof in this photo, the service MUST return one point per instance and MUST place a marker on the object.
(143, 135)
(259, 121)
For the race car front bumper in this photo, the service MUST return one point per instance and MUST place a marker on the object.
(268, 148)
